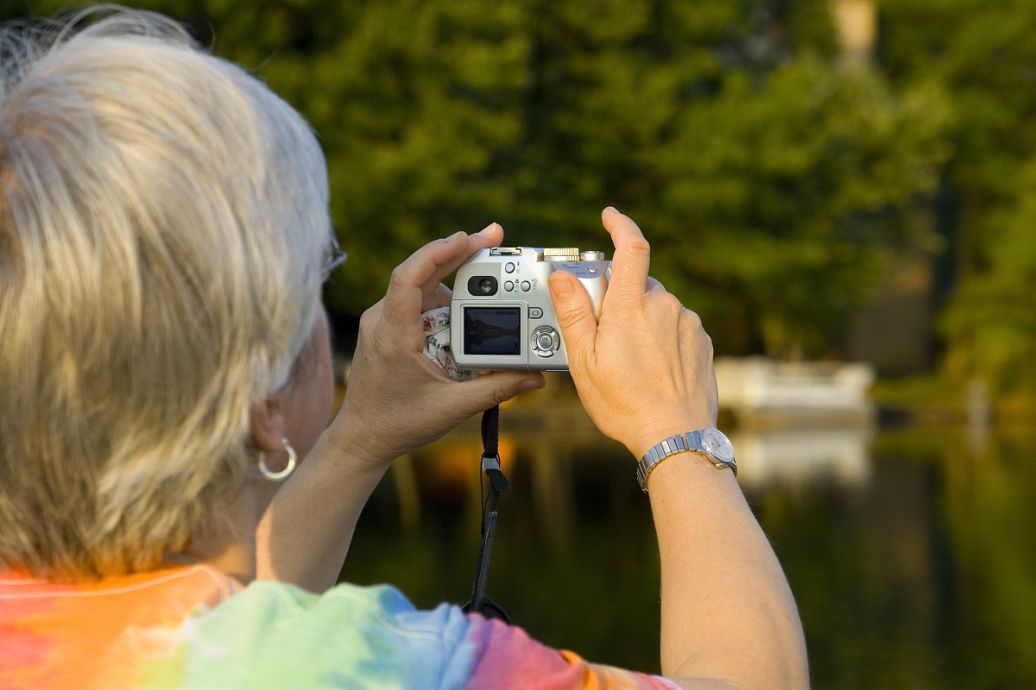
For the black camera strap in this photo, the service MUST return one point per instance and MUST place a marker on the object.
(480, 603)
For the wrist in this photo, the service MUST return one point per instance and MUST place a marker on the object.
(647, 436)
(353, 448)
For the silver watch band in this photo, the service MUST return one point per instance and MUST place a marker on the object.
(679, 443)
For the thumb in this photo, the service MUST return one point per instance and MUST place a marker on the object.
(492, 389)
(575, 314)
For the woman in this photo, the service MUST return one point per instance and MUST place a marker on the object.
(166, 365)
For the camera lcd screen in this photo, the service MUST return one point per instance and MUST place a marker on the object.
(492, 330)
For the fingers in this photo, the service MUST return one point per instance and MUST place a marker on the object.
(437, 296)
(575, 315)
(493, 389)
(429, 265)
(489, 236)
(632, 254)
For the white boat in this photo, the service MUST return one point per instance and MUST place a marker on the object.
(763, 392)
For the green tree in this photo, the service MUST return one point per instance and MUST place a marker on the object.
(772, 182)
(983, 53)
(991, 323)
(789, 194)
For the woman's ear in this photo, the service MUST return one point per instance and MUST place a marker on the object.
(267, 422)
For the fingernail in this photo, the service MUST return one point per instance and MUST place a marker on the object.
(612, 208)
(488, 229)
(560, 286)
(456, 236)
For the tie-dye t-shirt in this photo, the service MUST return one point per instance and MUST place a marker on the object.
(193, 627)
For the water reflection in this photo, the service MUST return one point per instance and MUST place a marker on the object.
(802, 457)
(912, 558)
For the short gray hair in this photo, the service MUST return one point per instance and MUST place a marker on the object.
(163, 222)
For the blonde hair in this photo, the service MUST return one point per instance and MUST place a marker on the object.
(163, 222)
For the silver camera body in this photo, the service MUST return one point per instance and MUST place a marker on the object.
(501, 314)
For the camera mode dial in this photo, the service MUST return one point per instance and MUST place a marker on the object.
(561, 254)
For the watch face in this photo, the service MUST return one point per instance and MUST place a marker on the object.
(717, 445)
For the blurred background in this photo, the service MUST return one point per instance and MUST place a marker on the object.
(845, 190)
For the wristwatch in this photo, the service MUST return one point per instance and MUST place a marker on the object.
(712, 443)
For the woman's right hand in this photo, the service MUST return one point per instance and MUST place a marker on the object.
(644, 370)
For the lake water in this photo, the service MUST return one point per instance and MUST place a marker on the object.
(911, 553)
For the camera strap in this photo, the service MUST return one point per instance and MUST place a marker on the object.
(480, 602)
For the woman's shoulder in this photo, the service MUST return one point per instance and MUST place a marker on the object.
(197, 628)
(375, 633)
(376, 607)
(283, 635)
(194, 627)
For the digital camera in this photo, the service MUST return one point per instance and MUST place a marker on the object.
(501, 314)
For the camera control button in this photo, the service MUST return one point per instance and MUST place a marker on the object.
(509, 285)
(545, 341)
(535, 313)
(509, 267)
(526, 286)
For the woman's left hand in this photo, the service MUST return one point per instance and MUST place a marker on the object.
(397, 400)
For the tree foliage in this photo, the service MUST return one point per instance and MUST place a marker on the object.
(772, 181)
(794, 193)
(984, 55)
(992, 321)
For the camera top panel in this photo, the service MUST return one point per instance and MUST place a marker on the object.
(564, 254)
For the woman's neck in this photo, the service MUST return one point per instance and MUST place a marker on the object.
(231, 548)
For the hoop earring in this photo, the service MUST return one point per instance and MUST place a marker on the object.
(286, 472)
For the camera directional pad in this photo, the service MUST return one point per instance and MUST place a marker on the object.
(545, 341)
